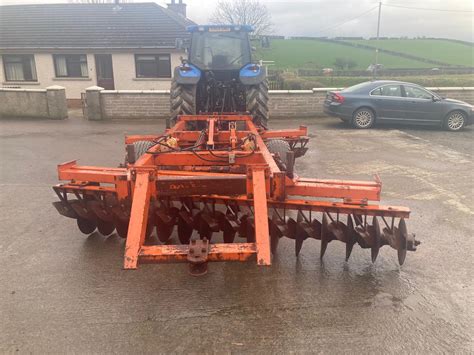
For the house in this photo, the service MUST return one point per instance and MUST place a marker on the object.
(132, 46)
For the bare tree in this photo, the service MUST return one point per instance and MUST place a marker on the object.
(243, 12)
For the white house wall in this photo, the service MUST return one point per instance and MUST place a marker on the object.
(123, 68)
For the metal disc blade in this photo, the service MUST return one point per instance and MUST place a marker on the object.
(185, 231)
(229, 236)
(105, 228)
(274, 240)
(163, 231)
(250, 232)
(298, 243)
(121, 228)
(291, 223)
(86, 226)
(351, 238)
(402, 241)
(324, 236)
(375, 247)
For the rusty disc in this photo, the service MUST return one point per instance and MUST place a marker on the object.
(105, 228)
(86, 226)
(291, 224)
(325, 239)
(375, 231)
(351, 240)
(121, 228)
(163, 230)
(185, 231)
(250, 230)
(402, 237)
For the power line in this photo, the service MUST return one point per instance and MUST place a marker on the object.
(350, 20)
(426, 9)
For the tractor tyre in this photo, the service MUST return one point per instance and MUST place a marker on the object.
(182, 101)
(140, 148)
(279, 148)
(257, 103)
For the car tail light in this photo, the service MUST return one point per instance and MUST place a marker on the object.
(337, 97)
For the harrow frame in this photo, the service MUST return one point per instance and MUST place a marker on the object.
(221, 174)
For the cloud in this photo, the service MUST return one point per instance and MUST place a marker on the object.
(321, 17)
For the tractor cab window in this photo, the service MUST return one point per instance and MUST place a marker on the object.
(220, 51)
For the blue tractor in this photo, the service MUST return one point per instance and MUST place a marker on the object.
(219, 75)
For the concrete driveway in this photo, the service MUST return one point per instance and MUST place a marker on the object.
(64, 292)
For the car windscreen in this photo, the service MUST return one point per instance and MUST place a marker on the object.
(224, 51)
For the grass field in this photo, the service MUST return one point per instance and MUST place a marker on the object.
(465, 80)
(441, 50)
(312, 54)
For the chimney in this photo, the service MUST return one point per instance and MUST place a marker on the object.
(179, 8)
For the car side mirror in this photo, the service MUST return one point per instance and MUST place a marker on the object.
(435, 98)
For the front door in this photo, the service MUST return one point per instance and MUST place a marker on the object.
(420, 105)
(105, 72)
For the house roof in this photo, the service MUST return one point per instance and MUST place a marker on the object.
(134, 25)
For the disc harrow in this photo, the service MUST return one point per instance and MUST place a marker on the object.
(225, 196)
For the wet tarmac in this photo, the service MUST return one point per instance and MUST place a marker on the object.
(62, 291)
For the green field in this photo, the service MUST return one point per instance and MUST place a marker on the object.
(298, 83)
(441, 50)
(312, 54)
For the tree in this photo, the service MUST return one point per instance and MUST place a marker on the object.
(243, 12)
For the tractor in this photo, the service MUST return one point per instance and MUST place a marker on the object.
(219, 75)
(219, 181)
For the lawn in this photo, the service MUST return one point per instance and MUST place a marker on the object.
(441, 50)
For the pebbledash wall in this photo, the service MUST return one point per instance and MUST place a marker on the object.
(149, 104)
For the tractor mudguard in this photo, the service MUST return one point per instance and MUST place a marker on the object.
(252, 74)
(187, 74)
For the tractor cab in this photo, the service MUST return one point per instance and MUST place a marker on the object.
(220, 47)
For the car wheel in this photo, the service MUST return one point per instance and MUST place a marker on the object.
(455, 121)
(363, 118)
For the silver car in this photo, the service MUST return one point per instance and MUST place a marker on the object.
(371, 102)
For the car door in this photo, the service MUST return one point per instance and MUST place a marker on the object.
(420, 105)
(388, 102)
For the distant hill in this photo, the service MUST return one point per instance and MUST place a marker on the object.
(404, 53)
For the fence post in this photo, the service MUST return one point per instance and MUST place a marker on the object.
(93, 103)
(56, 102)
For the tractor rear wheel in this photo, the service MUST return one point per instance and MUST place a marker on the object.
(257, 103)
(182, 101)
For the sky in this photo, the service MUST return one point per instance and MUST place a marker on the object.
(348, 17)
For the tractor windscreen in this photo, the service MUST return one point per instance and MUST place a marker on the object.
(220, 50)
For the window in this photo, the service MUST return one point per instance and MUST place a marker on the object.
(417, 93)
(71, 66)
(19, 67)
(153, 65)
(388, 90)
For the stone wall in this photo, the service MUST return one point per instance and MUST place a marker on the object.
(33, 103)
(149, 104)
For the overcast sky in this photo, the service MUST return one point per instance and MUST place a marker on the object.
(328, 17)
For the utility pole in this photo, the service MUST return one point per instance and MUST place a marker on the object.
(377, 44)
